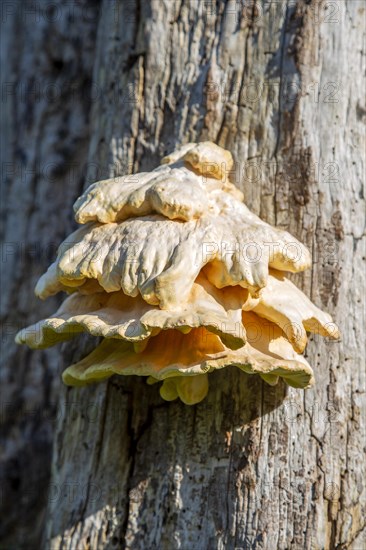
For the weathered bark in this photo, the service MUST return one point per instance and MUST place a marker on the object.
(280, 85)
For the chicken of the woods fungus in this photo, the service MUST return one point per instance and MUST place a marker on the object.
(179, 278)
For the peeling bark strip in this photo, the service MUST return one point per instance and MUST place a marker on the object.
(280, 85)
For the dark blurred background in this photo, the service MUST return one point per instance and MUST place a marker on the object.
(47, 57)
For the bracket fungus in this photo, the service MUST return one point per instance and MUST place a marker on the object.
(179, 278)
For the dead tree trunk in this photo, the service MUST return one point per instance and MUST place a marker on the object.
(279, 83)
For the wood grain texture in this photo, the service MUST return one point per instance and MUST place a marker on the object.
(281, 85)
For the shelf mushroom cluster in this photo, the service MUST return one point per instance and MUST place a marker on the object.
(179, 278)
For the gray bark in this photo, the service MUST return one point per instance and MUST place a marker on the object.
(281, 85)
